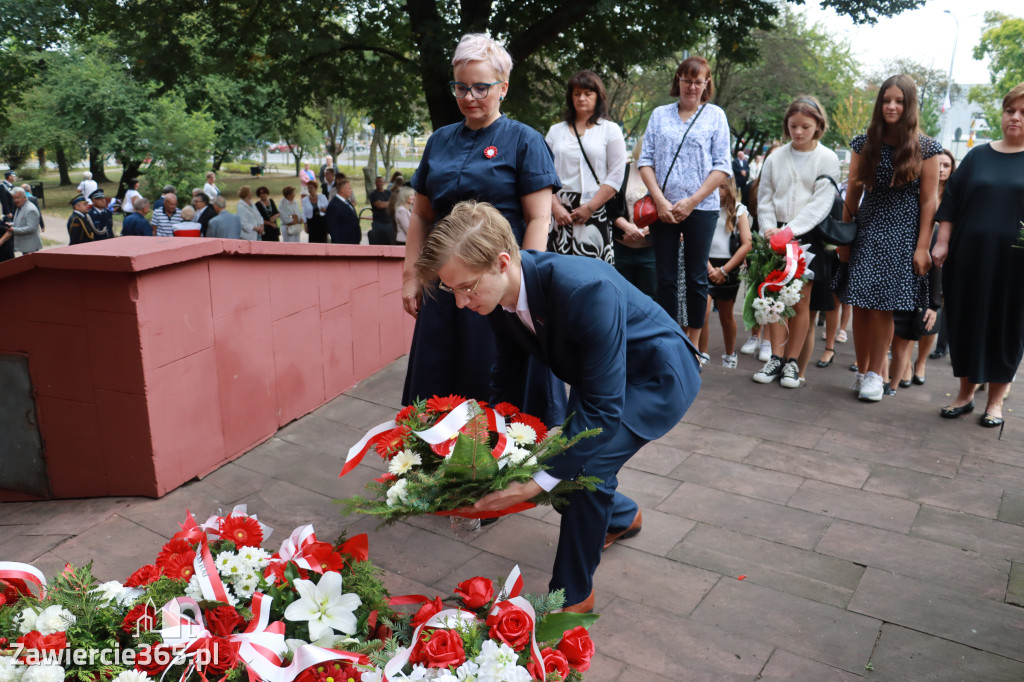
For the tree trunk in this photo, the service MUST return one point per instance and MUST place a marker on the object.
(96, 165)
(41, 155)
(131, 170)
(370, 170)
(62, 167)
(218, 159)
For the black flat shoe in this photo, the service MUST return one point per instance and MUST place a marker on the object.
(990, 422)
(954, 412)
(904, 383)
(919, 380)
(937, 355)
(822, 363)
(888, 390)
(853, 367)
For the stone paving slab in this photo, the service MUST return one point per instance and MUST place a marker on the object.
(875, 539)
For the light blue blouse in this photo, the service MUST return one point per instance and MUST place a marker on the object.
(706, 149)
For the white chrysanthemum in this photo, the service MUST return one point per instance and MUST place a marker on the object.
(26, 620)
(518, 455)
(54, 619)
(44, 672)
(246, 586)
(404, 461)
(522, 434)
(11, 670)
(131, 676)
(375, 676)
(398, 493)
(224, 561)
(193, 589)
(236, 567)
(254, 557)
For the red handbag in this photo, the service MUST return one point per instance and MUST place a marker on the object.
(644, 211)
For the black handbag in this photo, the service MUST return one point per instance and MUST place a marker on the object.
(833, 230)
(735, 238)
(616, 205)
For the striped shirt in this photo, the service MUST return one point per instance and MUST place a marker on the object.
(164, 223)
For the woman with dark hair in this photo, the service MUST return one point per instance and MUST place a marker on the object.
(590, 158)
(268, 211)
(127, 207)
(684, 161)
(895, 168)
(980, 235)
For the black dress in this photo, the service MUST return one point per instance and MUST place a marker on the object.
(983, 277)
(270, 234)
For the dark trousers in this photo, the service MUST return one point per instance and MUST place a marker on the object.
(590, 516)
(637, 266)
(697, 231)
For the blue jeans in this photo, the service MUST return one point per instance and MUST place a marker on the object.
(685, 306)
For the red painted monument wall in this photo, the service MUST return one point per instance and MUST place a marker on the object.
(156, 360)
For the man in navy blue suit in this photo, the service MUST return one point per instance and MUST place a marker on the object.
(342, 220)
(632, 371)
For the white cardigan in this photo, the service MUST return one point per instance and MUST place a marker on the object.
(792, 197)
(250, 219)
(606, 149)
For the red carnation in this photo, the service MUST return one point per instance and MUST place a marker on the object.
(389, 443)
(506, 409)
(144, 576)
(179, 566)
(223, 620)
(322, 554)
(536, 424)
(427, 611)
(142, 618)
(578, 647)
(475, 592)
(444, 405)
(554, 662)
(244, 531)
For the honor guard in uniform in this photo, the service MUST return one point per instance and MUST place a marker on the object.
(102, 219)
(80, 227)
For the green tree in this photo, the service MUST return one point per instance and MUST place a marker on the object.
(302, 135)
(931, 89)
(180, 143)
(1002, 41)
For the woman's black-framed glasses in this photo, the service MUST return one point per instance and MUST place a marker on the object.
(479, 90)
(466, 291)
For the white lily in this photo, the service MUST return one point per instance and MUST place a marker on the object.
(324, 606)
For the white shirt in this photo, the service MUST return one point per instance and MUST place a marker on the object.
(606, 150)
(127, 206)
(788, 192)
(87, 187)
(720, 239)
(250, 219)
(211, 191)
(307, 206)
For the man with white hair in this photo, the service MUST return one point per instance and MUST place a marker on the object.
(26, 223)
(87, 186)
(225, 225)
(135, 223)
(165, 217)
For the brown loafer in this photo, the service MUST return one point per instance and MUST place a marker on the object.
(585, 606)
(632, 530)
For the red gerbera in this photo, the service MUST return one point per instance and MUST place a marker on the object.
(407, 412)
(179, 566)
(333, 671)
(174, 548)
(506, 409)
(536, 424)
(144, 576)
(276, 569)
(774, 279)
(322, 554)
(244, 531)
(390, 443)
(444, 405)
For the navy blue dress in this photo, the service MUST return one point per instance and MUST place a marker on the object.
(453, 350)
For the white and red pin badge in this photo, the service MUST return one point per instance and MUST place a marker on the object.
(490, 152)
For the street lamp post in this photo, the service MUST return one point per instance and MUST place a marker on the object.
(949, 81)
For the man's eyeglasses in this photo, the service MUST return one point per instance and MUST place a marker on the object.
(467, 291)
(691, 83)
(479, 90)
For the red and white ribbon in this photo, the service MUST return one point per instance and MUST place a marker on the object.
(795, 253)
(212, 524)
(294, 549)
(15, 570)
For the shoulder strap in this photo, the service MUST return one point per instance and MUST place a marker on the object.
(680, 147)
(583, 151)
(838, 193)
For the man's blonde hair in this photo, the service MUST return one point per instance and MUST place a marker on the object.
(475, 232)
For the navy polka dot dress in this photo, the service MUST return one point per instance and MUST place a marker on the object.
(880, 274)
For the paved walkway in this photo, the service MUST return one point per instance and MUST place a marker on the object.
(877, 540)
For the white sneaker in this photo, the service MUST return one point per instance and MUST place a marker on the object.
(872, 389)
(790, 375)
(771, 371)
(749, 346)
(841, 336)
(705, 359)
(858, 381)
(764, 353)
(729, 361)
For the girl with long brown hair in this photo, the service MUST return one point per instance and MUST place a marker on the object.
(894, 167)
